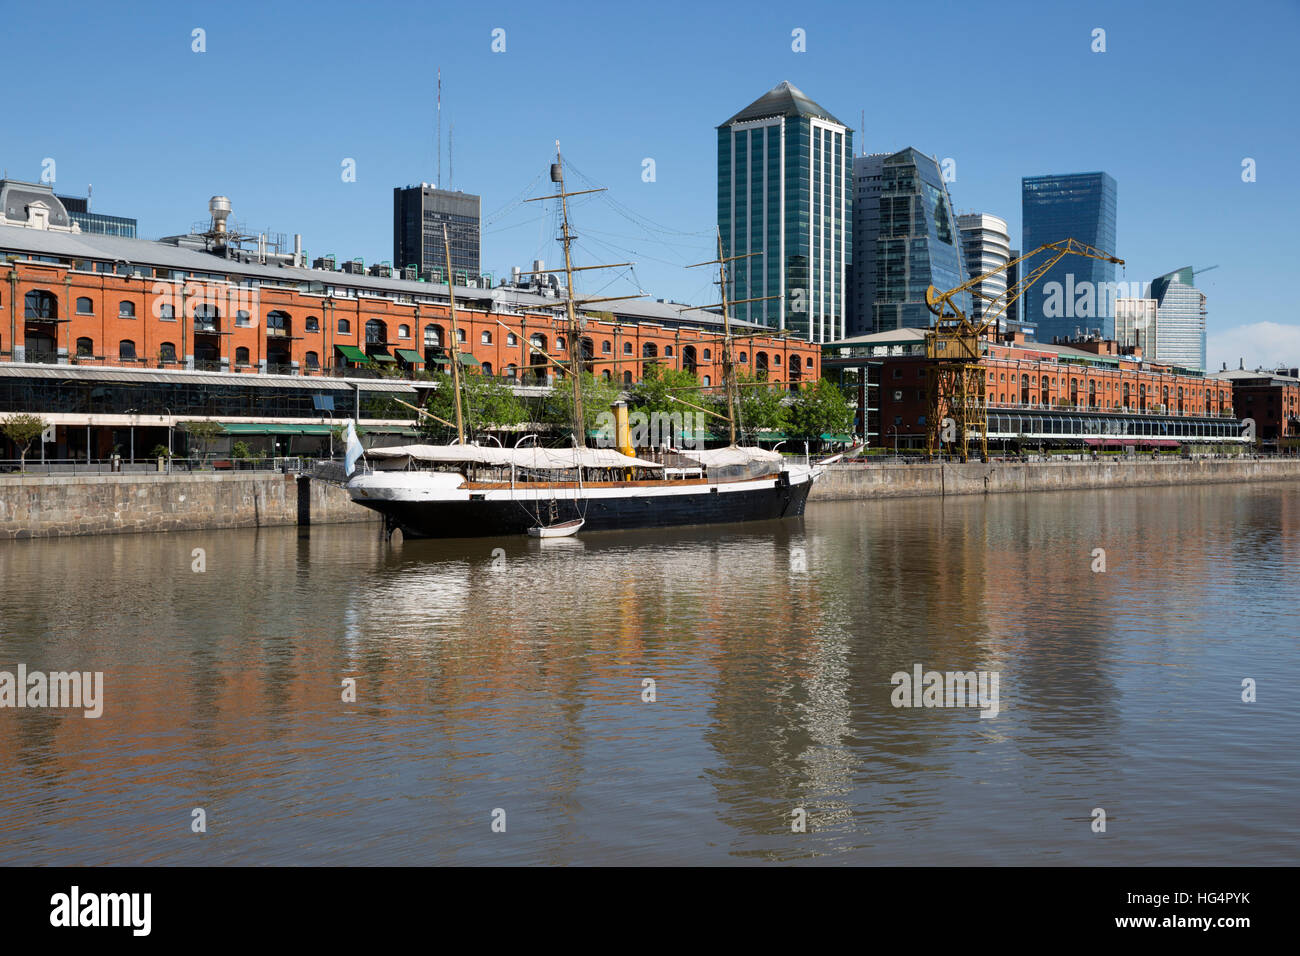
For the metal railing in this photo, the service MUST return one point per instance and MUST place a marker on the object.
(212, 464)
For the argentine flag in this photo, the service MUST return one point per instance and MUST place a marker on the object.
(353, 450)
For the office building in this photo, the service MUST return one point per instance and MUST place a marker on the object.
(784, 190)
(986, 246)
(906, 239)
(1077, 295)
(1180, 319)
(419, 214)
(97, 223)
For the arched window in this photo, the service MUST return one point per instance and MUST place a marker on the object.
(403, 331)
(744, 358)
(312, 359)
(39, 304)
(243, 319)
(649, 350)
(433, 336)
(688, 358)
(278, 323)
(627, 348)
(485, 337)
(708, 355)
(126, 310)
(760, 363)
(85, 346)
(708, 380)
(627, 378)
(808, 360)
(559, 343)
(85, 306)
(164, 311)
(461, 337)
(1127, 398)
(668, 351)
(538, 341)
(776, 360)
(512, 339)
(241, 356)
(311, 323)
(606, 346)
(511, 372)
(487, 368)
(205, 317)
(345, 327)
(126, 349)
(607, 375)
(376, 332)
(167, 352)
(796, 373)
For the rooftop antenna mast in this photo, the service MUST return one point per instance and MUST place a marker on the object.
(439, 127)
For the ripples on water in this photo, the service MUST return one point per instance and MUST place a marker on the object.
(512, 679)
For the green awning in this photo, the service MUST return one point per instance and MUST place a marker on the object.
(352, 353)
(771, 436)
(827, 436)
(386, 430)
(256, 428)
(467, 359)
(410, 355)
(381, 356)
(439, 360)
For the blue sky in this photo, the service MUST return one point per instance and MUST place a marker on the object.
(286, 92)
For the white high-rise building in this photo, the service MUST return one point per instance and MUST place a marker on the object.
(985, 245)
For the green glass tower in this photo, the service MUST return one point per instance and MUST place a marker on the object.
(785, 189)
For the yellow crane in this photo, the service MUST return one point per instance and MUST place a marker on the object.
(956, 381)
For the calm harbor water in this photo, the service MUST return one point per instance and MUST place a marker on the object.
(509, 674)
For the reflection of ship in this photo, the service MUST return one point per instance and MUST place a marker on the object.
(465, 490)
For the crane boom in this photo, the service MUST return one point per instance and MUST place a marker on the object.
(957, 383)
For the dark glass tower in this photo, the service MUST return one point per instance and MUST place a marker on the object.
(785, 190)
(907, 240)
(419, 213)
(1076, 294)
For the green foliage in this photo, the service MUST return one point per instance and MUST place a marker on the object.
(817, 408)
(22, 430)
(597, 396)
(660, 385)
(160, 451)
(762, 407)
(240, 450)
(488, 402)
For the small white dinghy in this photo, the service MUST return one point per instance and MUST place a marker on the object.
(561, 530)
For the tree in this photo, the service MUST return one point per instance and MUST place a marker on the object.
(487, 403)
(762, 407)
(598, 395)
(816, 409)
(204, 433)
(22, 430)
(658, 388)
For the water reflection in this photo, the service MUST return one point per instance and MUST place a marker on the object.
(509, 673)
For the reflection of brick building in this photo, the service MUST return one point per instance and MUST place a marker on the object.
(1084, 393)
(1271, 399)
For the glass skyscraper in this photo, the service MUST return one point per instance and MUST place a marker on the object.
(906, 240)
(1077, 294)
(1180, 319)
(784, 189)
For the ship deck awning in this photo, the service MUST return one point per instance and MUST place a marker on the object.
(352, 353)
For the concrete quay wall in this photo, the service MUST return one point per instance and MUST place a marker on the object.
(855, 481)
(38, 506)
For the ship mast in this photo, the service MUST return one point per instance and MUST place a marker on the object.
(455, 339)
(571, 307)
(730, 387)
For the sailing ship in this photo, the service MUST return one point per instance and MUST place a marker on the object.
(469, 490)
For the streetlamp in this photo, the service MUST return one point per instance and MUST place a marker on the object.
(169, 438)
